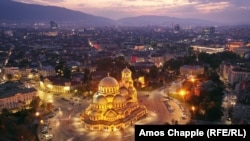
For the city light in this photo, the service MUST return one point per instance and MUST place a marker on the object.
(183, 93)
(192, 79)
(193, 108)
(37, 114)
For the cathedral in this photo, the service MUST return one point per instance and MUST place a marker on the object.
(114, 106)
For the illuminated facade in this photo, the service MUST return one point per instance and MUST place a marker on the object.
(114, 105)
(207, 49)
(15, 95)
(233, 45)
(58, 85)
(191, 70)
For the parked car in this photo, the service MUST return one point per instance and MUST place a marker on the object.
(48, 136)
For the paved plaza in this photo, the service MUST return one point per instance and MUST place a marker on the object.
(67, 126)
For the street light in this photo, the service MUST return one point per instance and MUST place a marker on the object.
(193, 80)
(37, 114)
(193, 108)
(183, 94)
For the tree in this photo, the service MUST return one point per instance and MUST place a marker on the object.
(35, 103)
(153, 72)
(62, 70)
(5, 112)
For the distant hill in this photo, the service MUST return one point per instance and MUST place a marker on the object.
(11, 11)
(162, 20)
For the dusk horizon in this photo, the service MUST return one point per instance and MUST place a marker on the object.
(230, 12)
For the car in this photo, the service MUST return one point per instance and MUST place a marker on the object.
(183, 117)
(44, 132)
(48, 136)
(44, 127)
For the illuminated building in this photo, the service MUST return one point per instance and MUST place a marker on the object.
(58, 85)
(235, 71)
(191, 70)
(233, 45)
(114, 105)
(207, 49)
(15, 95)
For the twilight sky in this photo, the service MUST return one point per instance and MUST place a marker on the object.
(236, 11)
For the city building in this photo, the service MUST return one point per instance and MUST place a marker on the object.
(114, 105)
(234, 45)
(15, 95)
(177, 28)
(56, 84)
(191, 70)
(235, 71)
(242, 51)
(208, 49)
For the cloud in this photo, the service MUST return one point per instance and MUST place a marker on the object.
(115, 9)
(53, 1)
(212, 7)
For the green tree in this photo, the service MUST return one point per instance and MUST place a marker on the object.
(62, 70)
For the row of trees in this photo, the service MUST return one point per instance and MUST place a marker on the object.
(20, 126)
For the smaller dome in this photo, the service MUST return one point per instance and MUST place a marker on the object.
(100, 100)
(123, 91)
(126, 70)
(130, 90)
(119, 99)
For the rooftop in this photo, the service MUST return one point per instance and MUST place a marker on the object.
(9, 89)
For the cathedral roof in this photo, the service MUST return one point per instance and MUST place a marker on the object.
(110, 114)
(126, 70)
(124, 91)
(108, 82)
(119, 99)
(101, 100)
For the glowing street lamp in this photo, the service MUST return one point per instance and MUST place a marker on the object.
(193, 80)
(183, 94)
(37, 114)
(41, 122)
(193, 108)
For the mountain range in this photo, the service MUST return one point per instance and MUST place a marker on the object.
(11, 11)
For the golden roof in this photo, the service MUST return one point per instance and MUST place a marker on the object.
(108, 82)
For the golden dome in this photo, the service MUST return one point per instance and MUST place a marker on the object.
(126, 70)
(100, 100)
(119, 99)
(123, 91)
(108, 82)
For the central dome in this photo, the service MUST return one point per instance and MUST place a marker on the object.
(108, 82)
